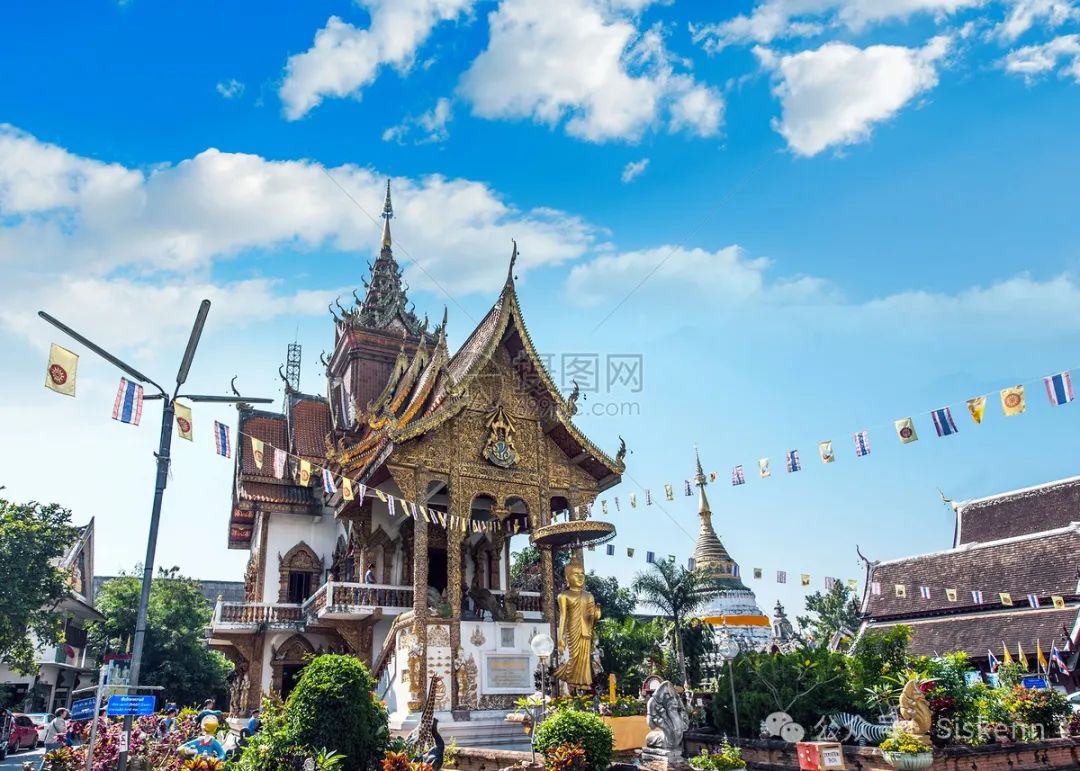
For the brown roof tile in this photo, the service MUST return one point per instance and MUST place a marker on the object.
(1042, 564)
(1019, 512)
(271, 429)
(976, 633)
(265, 492)
(309, 423)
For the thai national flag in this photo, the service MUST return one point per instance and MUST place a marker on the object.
(924, 591)
(328, 485)
(222, 445)
(977, 597)
(1033, 600)
(128, 405)
(862, 443)
(1057, 658)
(781, 576)
(738, 476)
(943, 421)
(793, 463)
(992, 660)
(1059, 388)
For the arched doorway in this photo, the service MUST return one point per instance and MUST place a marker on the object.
(299, 574)
(288, 664)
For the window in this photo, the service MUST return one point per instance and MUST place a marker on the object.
(299, 587)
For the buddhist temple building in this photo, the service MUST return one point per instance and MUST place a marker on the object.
(1024, 544)
(451, 455)
(736, 609)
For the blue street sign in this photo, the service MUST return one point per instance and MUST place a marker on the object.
(1034, 681)
(119, 706)
(83, 709)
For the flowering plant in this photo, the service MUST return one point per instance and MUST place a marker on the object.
(903, 742)
(567, 757)
(722, 758)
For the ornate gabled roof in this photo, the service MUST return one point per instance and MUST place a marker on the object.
(709, 553)
(424, 401)
(1018, 512)
(385, 305)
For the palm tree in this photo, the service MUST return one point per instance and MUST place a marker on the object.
(677, 593)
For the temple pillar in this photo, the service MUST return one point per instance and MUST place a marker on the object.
(412, 485)
(460, 503)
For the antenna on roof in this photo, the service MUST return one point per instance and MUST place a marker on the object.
(292, 366)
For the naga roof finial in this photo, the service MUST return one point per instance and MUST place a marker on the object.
(620, 456)
(513, 261)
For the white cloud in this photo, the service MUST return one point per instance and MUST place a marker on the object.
(1032, 61)
(1024, 14)
(83, 227)
(585, 62)
(230, 89)
(834, 95)
(344, 59)
(430, 125)
(775, 19)
(726, 275)
(634, 169)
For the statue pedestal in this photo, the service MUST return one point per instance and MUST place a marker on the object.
(663, 760)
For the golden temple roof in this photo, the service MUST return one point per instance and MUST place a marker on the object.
(709, 553)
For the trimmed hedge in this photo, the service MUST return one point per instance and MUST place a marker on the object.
(568, 726)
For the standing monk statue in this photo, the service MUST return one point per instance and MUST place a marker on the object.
(578, 614)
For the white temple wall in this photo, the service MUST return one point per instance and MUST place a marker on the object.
(283, 532)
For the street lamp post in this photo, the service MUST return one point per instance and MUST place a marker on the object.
(728, 649)
(543, 646)
(168, 414)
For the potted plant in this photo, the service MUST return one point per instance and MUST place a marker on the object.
(903, 750)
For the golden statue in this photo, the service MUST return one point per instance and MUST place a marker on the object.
(578, 614)
(915, 712)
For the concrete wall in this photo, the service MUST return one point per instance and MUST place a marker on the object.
(284, 531)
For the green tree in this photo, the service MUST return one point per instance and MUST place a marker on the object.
(677, 593)
(633, 650)
(175, 655)
(617, 602)
(526, 566)
(806, 683)
(832, 611)
(878, 663)
(333, 706)
(33, 538)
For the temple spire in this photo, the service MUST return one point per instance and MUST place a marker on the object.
(387, 214)
(709, 552)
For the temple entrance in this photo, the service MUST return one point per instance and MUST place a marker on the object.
(437, 569)
(290, 676)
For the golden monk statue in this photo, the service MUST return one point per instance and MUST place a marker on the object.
(578, 614)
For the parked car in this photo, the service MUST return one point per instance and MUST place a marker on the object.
(24, 735)
(40, 720)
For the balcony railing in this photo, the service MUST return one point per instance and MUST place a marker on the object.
(341, 600)
(241, 614)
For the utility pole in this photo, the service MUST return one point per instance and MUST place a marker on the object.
(168, 415)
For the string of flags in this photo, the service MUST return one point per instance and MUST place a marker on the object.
(127, 408)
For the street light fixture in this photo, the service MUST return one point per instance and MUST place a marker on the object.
(168, 414)
(728, 649)
(543, 646)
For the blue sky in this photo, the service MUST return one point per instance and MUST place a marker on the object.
(807, 218)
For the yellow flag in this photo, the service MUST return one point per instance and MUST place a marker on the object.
(1006, 599)
(825, 451)
(950, 595)
(1012, 400)
(1007, 658)
(1058, 600)
(1021, 657)
(183, 421)
(905, 431)
(804, 579)
(852, 584)
(669, 495)
(976, 407)
(257, 451)
(1040, 657)
(346, 489)
(633, 500)
(901, 591)
(60, 374)
(305, 473)
(381, 495)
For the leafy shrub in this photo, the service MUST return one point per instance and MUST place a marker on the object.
(273, 748)
(722, 758)
(1039, 710)
(570, 726)
(333, 706)
(566, 757)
